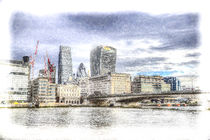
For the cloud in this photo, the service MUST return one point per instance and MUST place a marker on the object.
(193, 55)
(179, 40)
(191, 76)
(190, 63)
(132, 62)
(121, 25)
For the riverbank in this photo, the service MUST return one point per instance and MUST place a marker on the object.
(43, 105)
(57, 105)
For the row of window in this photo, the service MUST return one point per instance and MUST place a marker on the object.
(70, 102)
(48, 98)
(19, 93)
(12, 88)
(68, 90)
(42, 84)
(18, 73)
(67, 95)
(46, 95)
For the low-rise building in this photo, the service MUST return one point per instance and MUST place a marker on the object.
(43, 91)
(165, 87)
(112, 83)
(68, 94)
(15, 75)
(149, 84)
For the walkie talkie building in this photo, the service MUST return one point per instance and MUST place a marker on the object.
(64, 65)
(102, 60)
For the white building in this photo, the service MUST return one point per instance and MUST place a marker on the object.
(14, 81)
(68, 94)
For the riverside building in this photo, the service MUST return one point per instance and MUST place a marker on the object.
(112, 83)
(15, 74)
(43, 92)
(102, 60)
(68, 94)
(149, 84)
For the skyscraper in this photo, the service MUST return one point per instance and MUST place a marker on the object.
(81, 71)
(102, 60)
(64, 65)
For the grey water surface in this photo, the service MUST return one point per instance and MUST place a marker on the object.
(103, 123)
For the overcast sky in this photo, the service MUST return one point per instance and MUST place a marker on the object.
(165, 44)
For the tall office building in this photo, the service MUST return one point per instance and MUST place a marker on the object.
(102, 60)
(81, 71)
(64, 65)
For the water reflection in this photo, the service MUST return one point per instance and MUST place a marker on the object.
(101, 117)
(63, 117)
(42, 117)
(97, 123)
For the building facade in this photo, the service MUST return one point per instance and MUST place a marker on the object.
(102, 60)
(84, 84)
(114, 83)
(47, 74)
(17, 75)
(174, 82)
(68, 94)
(149, 84)
(43, 92)
(64, 65)
(165, 87)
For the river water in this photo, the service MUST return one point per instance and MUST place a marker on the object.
(86, 123)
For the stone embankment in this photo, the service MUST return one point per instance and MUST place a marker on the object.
(124, 105)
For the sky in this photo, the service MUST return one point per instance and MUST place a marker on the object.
(165, 44)
(149, 40)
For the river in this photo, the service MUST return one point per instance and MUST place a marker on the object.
(89, 123)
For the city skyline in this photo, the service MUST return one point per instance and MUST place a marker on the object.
(165, 44)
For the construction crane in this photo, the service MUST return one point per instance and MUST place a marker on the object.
(45, 66)
(32, 61)
(50, 68)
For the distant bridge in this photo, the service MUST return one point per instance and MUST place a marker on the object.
(135, 97)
